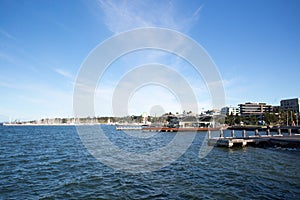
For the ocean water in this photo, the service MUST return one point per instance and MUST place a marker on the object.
(50, 162)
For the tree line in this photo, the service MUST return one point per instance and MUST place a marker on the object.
(288, 118)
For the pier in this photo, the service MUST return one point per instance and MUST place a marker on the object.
(268, 140)
(164, 129)
(128, 128)
(293, 129)
(168, 129)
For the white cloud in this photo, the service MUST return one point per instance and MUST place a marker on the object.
(64, 73)
(124, 15)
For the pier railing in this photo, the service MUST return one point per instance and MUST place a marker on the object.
(268, 138)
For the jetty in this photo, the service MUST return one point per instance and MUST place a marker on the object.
(293, 129)
(185, 129)
(165, 129)
(266, 140)
(128, 128)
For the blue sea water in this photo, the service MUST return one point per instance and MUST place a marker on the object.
(50, 162)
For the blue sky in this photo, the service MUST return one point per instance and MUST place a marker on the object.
(255, 45)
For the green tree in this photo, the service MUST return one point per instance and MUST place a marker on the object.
(229, 119)
(237, 119)
(64, 120)
(252, 120)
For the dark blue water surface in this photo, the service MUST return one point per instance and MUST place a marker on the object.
(50, 162)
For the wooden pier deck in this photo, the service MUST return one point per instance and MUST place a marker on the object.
(291, 141)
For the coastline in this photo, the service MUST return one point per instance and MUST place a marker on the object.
(81, 124)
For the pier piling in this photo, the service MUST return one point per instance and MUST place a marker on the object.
(279, 131)
(268, 131)
(209, 134)
(256, 132)
(244, 133)
(232, 133)
(221, 133)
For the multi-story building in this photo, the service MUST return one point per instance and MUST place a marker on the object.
(290, 105)
(230, 110)
(276, 109)
(255, 109)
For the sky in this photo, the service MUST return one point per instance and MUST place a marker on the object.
(254, 44)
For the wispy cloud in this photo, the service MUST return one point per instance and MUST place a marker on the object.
(63, 73)
(7, 85)
(125, 15)
(36, 99)
(6, 57)
(6, 34)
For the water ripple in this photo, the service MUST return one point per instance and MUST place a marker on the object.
(51, 163)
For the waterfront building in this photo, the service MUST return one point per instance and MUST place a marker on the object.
(276, 109)
(230, 110)
(290, 105)
(255, 109)
(195, 122)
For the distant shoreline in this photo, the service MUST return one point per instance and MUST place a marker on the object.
(82, 124)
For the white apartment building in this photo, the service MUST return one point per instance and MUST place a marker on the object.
(228, 110)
